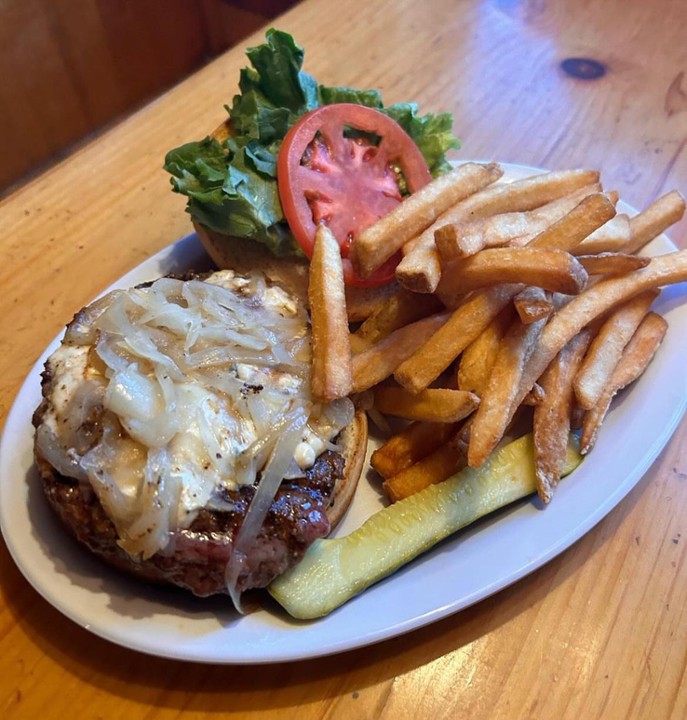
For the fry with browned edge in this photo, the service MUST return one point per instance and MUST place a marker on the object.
(377, 243)
(461, 239)
(443, 462)
(531, 305)
(514, 352)
(331, 350)
(565, 234)
(420, 269)
(612, 236)
(434, 404)
(654, 220)
(479, 356)
(607, 348)
(463, 326)
(409, 446)
(396, 311)
(637, 356)
(612, 263)
(552, 416)
(550, 269)
(379, 361)
(580, 311)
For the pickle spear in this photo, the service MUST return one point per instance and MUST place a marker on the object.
(334, 570)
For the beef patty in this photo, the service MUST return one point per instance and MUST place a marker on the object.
(197, 557)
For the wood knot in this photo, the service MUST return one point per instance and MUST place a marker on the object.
(583, 68)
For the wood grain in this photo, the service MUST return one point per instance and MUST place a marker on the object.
(599, 632)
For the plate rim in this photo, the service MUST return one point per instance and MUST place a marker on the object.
(179, 253)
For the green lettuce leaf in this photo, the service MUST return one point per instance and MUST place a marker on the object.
(232, 187)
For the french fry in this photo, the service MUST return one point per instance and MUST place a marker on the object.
(380, 241)
(534, 396)
(636, 358)
(400, 309)
(433, 405)
(612, 236)
(361, 302)
(445, 461)
(552, 416)
(420, 269)
(585, 308)
(358, 344)
(409, 446)
(514, 352)
(531, 306)
(474, 313)
(607, 348)
(331, 351)
(479, 356)
(565, 234)
(461, 239)
(568, 232)
(612, 263)
(654, 220)
(554, 270)
(379, 361)
(429, 359)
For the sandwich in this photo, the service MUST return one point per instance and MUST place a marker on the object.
(178, 438)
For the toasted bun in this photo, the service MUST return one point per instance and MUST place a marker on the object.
(243, 255)
(353, 444)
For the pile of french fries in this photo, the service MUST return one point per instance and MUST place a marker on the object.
(528, 294)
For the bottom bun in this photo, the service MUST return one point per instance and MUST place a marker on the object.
(353, 443)
(291, 272)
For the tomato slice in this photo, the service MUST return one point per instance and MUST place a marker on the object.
(328, 173)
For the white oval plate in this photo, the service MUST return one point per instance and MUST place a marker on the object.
(459, 572)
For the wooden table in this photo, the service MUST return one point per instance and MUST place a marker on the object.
(601, 630)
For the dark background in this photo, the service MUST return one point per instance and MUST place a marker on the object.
(69, 68)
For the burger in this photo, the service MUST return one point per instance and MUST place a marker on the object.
(178, 440)
(177, 437)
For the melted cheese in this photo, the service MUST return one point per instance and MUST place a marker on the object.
(192, 384)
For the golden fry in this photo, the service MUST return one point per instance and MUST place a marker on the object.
(462, 239)
(586, 307)
(380, 241)
(433, 405)
(554, 270)
(445, 461)
(409, 446)
(612, 263)
(464, 325)
(568, 232)
(331, 350)
(420, 269)
(479, 356)
(565, 234)
(612, 236)
(400, 309)
(379, 361)
(552, 416)
(514, 352)
(361, 302)
(607, 348)
(636, 358)
(654, 220)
